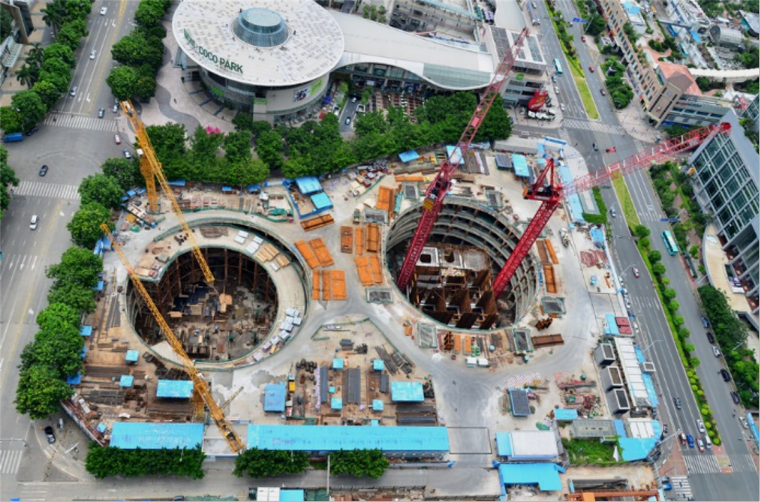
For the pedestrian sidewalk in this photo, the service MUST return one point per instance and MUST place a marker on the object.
(633, 119)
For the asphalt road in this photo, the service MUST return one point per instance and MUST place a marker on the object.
(707, 481)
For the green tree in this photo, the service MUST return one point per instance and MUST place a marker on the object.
(145, 86)
(658, 269)
(85, 225)
(12, 120)
(27, 75)
(78, 266)
(669, 293)
(6, 24)
(268, 463)
(54, 14)
(35, 55)
(40, 392)
(678, 321)
(125, 173)
(60, 353)
(654, 256)
(149, 13)
(123, 82)
(673, 306)
(48, 93)
(596, 26)
(56, 315)
(689, 348)
(77, 297)
(684, 332)
(8, 179)
(103, 462)
(30, 106)
(71, 34)
(61, 52)
(170, 145)
(359, 463)
(641, 231)
(102, 189)
(136, 50)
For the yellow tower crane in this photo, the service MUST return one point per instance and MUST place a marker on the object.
(155, 166)
(199, 383)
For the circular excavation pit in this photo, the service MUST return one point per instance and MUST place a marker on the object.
(452, 282)
(213, 324)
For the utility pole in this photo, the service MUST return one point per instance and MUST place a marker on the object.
(328, 476)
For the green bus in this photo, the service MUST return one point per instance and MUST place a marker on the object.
(670, 243)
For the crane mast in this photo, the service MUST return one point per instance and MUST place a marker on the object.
(436, 192)
(550, 191)
(199, 383)
(155, 167)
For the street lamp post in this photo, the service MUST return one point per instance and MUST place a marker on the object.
(651, 344)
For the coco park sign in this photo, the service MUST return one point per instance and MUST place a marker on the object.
(224, 63)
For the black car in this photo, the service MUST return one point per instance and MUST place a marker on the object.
(725, 374)
(705, 322)
(32, 130)
(43, 170)
(677, 402)
(710, 337)
(596, 148)
(50, 434)
(735, 398)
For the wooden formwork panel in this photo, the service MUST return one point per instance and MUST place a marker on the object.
(365, 270)
(467, 345)
(320, 249)
(551, 286)
(318, 222)
(360, 241)
(307, 253)
(338, 285)
(266, 252)
(315, 287)
(373, 238)
(550, 250)
(326, 285)
(346, 239)
(377, 270)
(458, 344)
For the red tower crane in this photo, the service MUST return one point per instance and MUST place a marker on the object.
(550, 191)
(436, 192)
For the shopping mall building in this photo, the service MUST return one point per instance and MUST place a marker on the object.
(275, 58)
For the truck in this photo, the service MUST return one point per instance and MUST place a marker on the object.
(14, 137)
(564, 235)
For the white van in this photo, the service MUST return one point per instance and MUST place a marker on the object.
(34, 222)
(103, 11)
(708, 443)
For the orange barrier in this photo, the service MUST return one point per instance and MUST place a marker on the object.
(307, 254)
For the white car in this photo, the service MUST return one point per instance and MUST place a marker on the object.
(701, 426)
(744, 422)
(103, 11)
(556, 89)
(716, 351)
(92, 54)
(35, 221)
(562, 106)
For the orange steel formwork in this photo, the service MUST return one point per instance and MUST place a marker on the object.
(377, 271)
(338, 285)
(551, 286)
(307, 254)
(365, 270)
(318, 222)
(315, 286)
(346, 239)
(373, 238)
(550, 250)
(386, 200)
(360, 241)
(320, 249)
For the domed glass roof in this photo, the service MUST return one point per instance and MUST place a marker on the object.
(261, 27)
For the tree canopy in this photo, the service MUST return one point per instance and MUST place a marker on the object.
(103, 462)
(102, 189)
(268, 463)
(359, 463)
(8, 179)
(85, 225)
(39, 392)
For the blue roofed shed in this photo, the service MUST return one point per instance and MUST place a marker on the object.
(292, 495)
(546, 476)
(74, 380)
(393, 441)
(377, 405)
(175, 388)
(274, 397)
(126, 381)
(336, 403)
(321, 201)
(308, 185)
(458, 155)
(337, 363)
(86, 331)
(408, 156)
(521, 165)
(227, 189)
(378, 365)
(407, 392)
(83, 354)
(612, 327)
(155, 435)
(132, 356)
(99, 286)
(565, 414)
(503, 444)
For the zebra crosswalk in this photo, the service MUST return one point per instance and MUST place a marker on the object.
(702, 463)
(742, 462)
(40, 189)
(681, 488)
(10, 461)
(81, 122)
(589, 125)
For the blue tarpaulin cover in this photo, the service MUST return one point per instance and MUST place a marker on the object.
(175, 388)
(576, 209)
(407, 392)
(612, 327)
(274, 397)
(336, 403)
(177, 183)
(83, 354)
(545, 475)
(408, 156)
(132, 356)
(99, 286)
(378, 405)
(86, 331)
(328, 438)
(226, 189)
(308, 184)
(253, 188)
(378, 365)
(155, 435)
(321, 201)
(521, 165)
(74, 380)
(292, 495)
(504, 444)
(126, 381)
(337, 364)
(565, 414)
(695, 36)
(648, 382)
